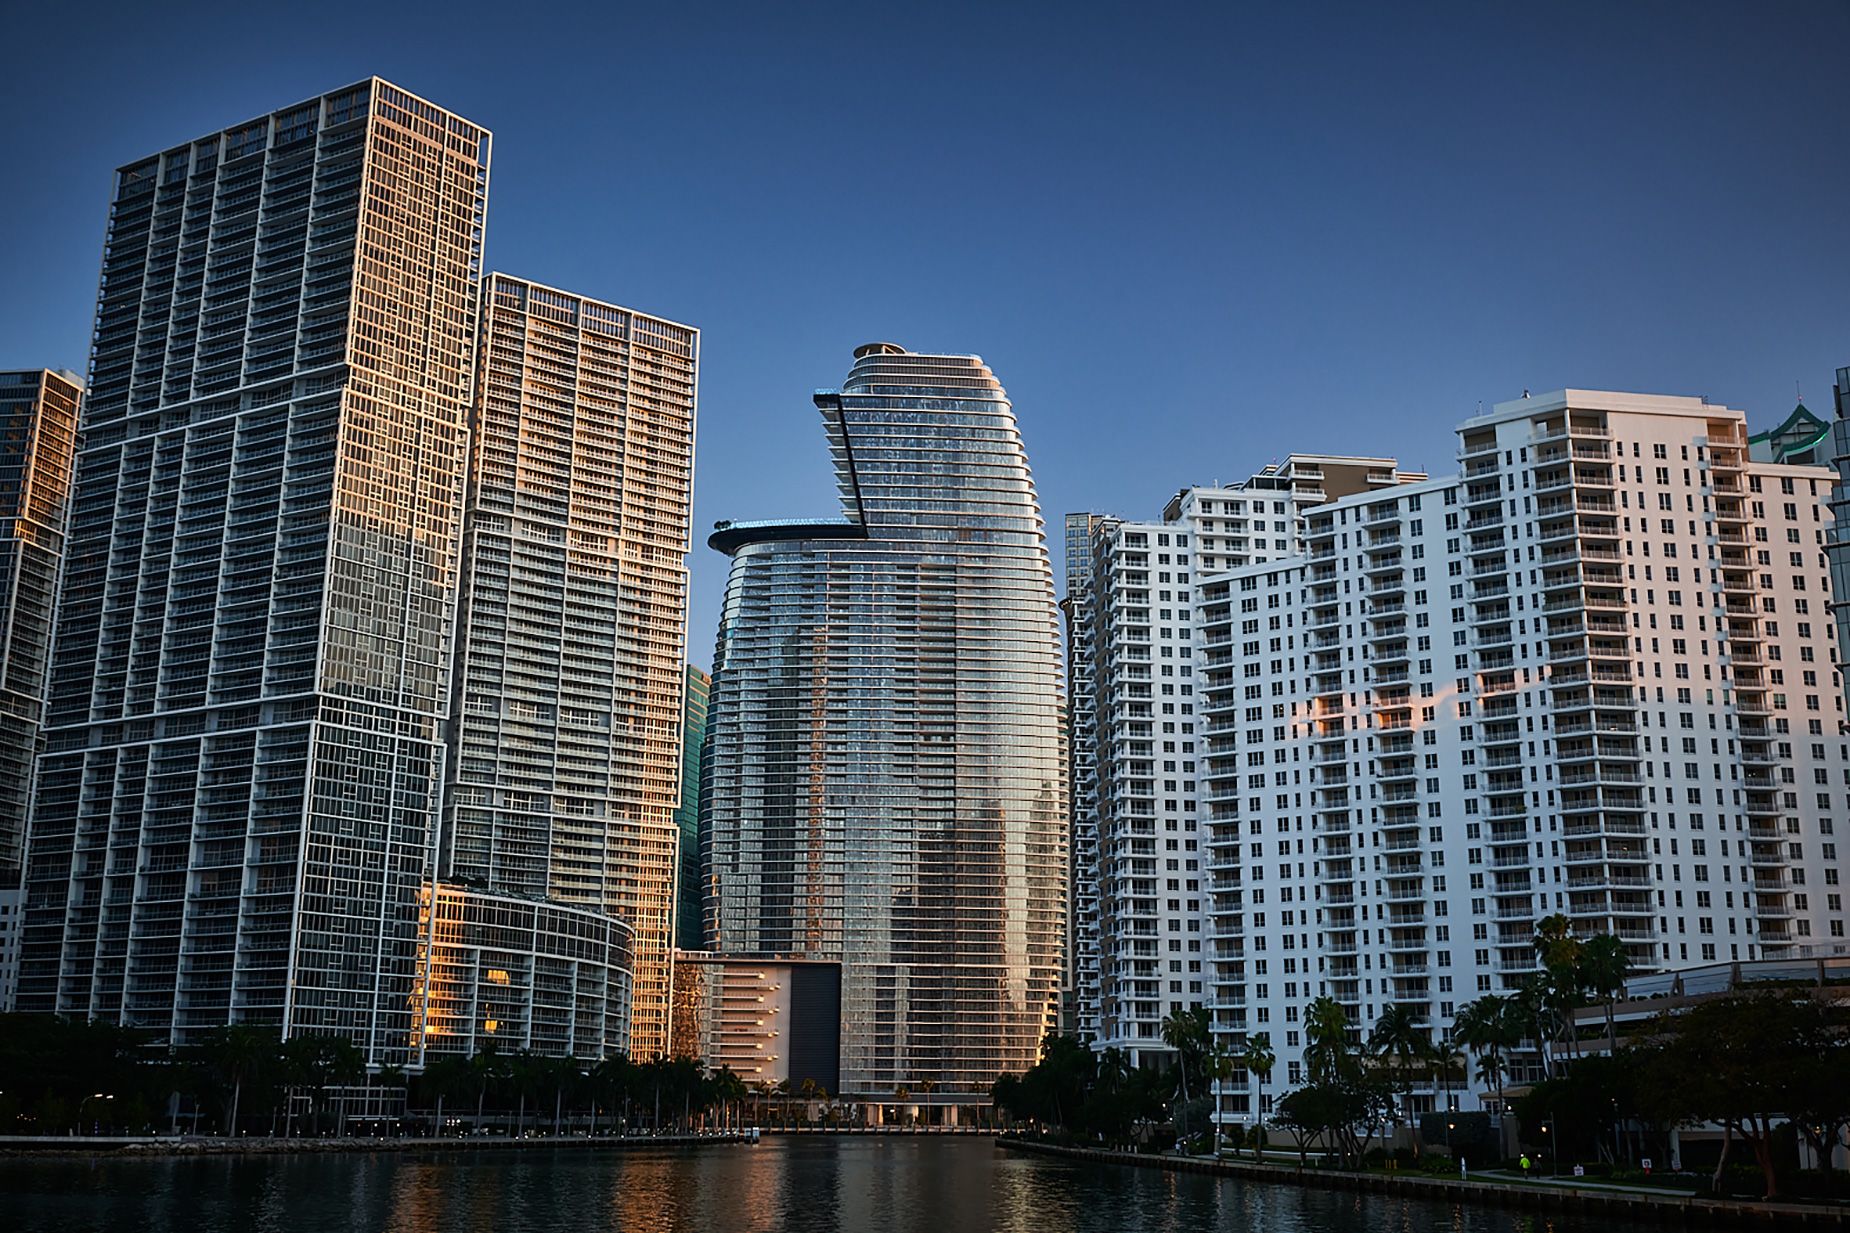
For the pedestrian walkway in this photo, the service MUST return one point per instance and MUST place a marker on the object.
(1572, 1183)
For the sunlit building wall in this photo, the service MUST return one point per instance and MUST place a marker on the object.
(572, 663)
(521, 973)
(237, 804)
(38, 445)
(886, 781)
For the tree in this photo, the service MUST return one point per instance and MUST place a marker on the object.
(442, 1078)
(1557, 989)
(1187, 1032)
(487, 1068)
(1326, 1039)
(235, 1056)
(1742, 1061)
(610, 1082)
(728, 1090)
(317, 1062)
(1489, 1027)
(1399, 1042)
(1257, 1058)
(1604, 965)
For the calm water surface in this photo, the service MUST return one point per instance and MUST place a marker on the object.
(851, 1185)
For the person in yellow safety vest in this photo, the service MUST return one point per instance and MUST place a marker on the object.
(1525, 1164)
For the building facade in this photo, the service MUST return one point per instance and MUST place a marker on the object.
(773, 1023)
(1592, 675)
(520, 973)
(689, 895)
(567, 750)
(886, 786)
(1138, 660)
(1079, 999)
(38, 447)
(238, 796)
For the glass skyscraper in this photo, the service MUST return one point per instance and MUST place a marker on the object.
(38, 443)
(886, 784)
(237, 805)
(573, 645)
(688, 893)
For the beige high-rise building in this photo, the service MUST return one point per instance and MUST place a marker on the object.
(567, 731)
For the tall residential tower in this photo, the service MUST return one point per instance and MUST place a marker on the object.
(38, 444)
(1593, 675)
(886, 781)
(238, 797)
(567, 750)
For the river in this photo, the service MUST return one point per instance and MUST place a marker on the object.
(819, 1184)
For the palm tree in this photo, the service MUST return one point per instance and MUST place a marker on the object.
(1326, 1037)
(728, 1089)
(1399, 1041)
(610, 1082)
(444, 1077)
(1487, 1027)
(320, 1062)
(1604, 964)
(486, 1068)
(1558, 987)
(237, 1054)
(1257, 1059)
(1446, 1057)
(1186, 1031)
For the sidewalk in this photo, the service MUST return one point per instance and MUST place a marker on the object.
(1534, 1178)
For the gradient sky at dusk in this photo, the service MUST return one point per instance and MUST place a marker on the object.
(1188, 239)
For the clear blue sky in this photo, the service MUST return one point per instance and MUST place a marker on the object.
(1189, 240)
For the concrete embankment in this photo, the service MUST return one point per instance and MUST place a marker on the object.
(1591, 1203)
(164, 1145)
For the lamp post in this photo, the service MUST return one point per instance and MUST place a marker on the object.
(80, 1109)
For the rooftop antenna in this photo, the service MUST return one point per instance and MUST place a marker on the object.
(1525, 393)
(1797, 392)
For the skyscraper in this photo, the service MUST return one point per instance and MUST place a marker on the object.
(1592, 675)
(567, 754)
(886, 784)
(38, 444)
(688, 892)
(237, 802)
(1142, 654)
(1079, 1009)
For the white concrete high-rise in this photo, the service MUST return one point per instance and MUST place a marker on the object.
(1592, 675)
(1139, 864)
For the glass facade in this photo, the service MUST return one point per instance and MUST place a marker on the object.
(885, 774)
(236, 807)
(688, 892)
(38, 443)
(567, 751)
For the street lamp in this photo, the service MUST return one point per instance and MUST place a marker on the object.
(80, 1109)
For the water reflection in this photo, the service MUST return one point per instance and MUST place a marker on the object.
(821, 1185)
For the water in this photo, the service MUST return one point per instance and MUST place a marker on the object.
(825, 1185)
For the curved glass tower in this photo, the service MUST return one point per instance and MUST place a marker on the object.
(886, 783)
